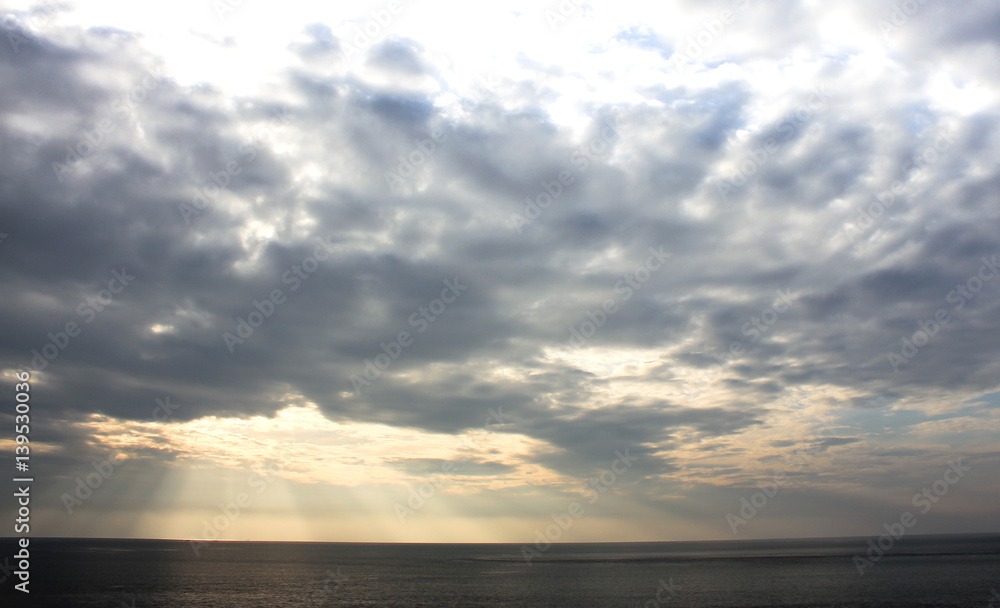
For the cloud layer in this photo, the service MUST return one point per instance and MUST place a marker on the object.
(716, 244)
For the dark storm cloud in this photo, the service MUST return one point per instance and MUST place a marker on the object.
(316, 179)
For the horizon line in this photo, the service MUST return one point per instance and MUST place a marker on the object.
(596, 542)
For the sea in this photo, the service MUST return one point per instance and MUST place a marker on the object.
(915, 571)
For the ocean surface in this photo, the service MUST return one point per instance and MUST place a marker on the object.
(924, 571)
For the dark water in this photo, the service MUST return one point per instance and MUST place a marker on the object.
(918, 571)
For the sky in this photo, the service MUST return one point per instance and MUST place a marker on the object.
(438, 271)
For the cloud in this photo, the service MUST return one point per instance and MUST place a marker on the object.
(856, 177)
